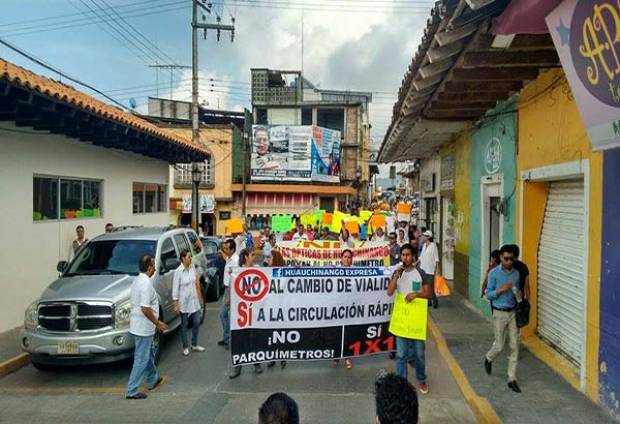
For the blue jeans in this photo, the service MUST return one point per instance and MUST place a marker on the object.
(407, 350)
(195, 317)
(225, 318)
(143, 365)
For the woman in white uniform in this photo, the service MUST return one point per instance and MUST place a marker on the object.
(188, 300)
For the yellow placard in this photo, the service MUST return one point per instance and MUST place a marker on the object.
(308, 220)
(403, 209)
(409, 319)
(365, 215)
(234, 226)
(337, 221)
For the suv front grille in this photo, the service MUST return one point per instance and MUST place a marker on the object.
(76, 316)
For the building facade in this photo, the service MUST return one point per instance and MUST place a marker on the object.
(68, 160)
(287, 98)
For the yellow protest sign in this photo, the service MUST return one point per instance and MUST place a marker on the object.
(337, 221)
(308, 220)
(365, 215)
(234, 226)
(409, 319)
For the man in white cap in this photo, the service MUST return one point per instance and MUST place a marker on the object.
(429, 260)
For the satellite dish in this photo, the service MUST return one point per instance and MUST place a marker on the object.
(132, 103)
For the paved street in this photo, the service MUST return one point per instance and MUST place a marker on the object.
(197, 390)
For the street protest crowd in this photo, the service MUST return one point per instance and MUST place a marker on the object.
(407, 282)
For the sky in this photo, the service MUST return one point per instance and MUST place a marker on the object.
(347, 45)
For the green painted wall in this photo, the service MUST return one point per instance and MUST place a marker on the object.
(500, 125)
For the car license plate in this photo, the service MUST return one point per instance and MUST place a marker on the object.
(68, 348)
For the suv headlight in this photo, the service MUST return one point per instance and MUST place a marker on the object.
(122, 313)
(31, 317)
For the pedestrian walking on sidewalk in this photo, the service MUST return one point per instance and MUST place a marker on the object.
(412, 282)
(232, 260)
(246, 260)
(524, 272)
(503, 292)
(188, 300)
(143, 323)
(494, 261)
(429, 261)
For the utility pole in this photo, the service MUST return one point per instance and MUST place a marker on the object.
(171, 67)
(218, 27)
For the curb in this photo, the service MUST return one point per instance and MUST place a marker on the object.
(13, 364)
(480, 406)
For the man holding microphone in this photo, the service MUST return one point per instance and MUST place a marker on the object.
(411, 282)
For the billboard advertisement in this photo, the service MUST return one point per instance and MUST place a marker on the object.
(295, 153)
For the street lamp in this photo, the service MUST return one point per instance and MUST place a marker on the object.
(196, 180)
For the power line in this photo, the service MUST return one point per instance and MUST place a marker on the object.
(59, 72)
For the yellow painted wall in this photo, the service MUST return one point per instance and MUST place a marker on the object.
(551, 132)
(462, 171)
(219, 142)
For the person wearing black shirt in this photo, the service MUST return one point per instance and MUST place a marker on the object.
(524, 272)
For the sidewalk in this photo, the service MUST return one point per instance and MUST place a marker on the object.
(9, 345)
(546, 396)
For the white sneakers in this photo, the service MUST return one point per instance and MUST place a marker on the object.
(196, 348)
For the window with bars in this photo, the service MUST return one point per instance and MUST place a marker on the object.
(65, 198)
(183, 172)
(149, 198)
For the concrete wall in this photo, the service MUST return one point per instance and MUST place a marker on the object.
(462, 183)
(551, 133)
(500, 126)
(29, 251)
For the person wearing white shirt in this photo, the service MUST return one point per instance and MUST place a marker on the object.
(429, 260)
(379, 235)
(143, 323)
(300, 234)
(187, 297)
(232, 261)
(268, 248)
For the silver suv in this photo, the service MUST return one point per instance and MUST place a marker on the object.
(83, 316)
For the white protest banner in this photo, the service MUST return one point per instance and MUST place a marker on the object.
(329, 253)
(309, 313)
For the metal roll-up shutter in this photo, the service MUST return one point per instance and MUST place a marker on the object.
(561, 278)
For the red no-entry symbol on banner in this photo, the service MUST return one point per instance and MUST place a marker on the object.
(252, 285)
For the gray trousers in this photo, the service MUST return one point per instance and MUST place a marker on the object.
(504, 323)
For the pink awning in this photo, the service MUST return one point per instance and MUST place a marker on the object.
(524, 17)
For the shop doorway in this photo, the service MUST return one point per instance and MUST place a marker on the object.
(447, 239)
(491, 219)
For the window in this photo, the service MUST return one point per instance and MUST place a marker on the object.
(193, 239)
(306, 116)
(149, 198)
(167, 251)
(111, 256)
(181, 242)
(261, 116)
(45, 198)
(331, 118)
(183, 172)
(65, 198)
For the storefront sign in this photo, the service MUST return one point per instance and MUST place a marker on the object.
(586, 35)
(493, 156)
(207, 203)
(304, 314)
(328, 253)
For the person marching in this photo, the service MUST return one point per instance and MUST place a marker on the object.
(188, 300)
(411, 282)
(346, 260)
(276, 260)
(246, 260)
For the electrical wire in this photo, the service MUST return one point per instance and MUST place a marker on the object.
(58, 71)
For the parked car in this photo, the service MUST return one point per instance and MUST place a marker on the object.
(216, 265)
(83, 316)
